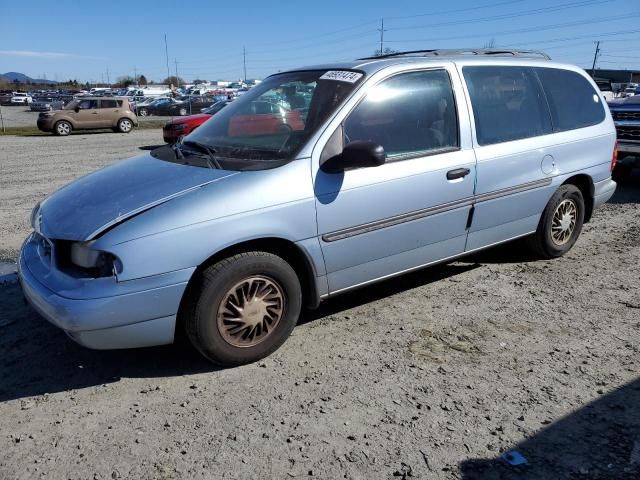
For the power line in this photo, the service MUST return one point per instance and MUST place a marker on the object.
(491, 18)
(448, 12)
(524, 30)
(590, 36)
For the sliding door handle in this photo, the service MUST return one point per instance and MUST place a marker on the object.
(458, 173)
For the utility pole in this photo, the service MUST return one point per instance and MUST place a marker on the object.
(166, 54)
(381, 30)
(108, 81)
(135, 75)
(244, 63)
(595, 59)
(175, 60)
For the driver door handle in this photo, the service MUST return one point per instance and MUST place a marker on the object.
(458, 173)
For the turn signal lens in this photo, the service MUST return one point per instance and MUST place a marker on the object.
(614, 157)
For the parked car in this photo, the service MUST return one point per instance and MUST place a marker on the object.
(87, 113)
(626, 115)
(46, 104)
(181, 106)
(154, 106)
(404, 161)
(606, 90)
(5, 97)
(178, 128)
(264, 118)
(140, 104)
(20, 98)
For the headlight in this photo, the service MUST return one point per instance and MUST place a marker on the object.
(106, 264)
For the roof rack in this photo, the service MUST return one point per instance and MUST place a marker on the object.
(465, 51)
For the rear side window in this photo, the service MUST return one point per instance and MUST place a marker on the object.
(508, 103)
(573, 101)
(108, 104)
(408, 114)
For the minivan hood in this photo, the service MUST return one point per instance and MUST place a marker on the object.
(85, 208)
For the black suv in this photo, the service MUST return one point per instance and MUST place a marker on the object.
(626, 115)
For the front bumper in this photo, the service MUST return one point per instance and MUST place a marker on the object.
(44, 124)
(131, 319)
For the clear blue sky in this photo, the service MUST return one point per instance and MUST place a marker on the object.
(69, 39)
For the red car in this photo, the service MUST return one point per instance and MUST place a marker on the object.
(265, 118)
(182, 126)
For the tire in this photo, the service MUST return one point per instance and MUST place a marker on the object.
(143, 112)
(221, 334)
(62, 128)
(26, 102)
(125, 125)
(560, 224)
(182, 112)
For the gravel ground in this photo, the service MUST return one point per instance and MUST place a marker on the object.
(432, 375)
(21, 116)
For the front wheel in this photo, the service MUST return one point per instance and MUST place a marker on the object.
(182, 111)
(143, 112)
(245, 308)
(125, 125)
(62, 128)
(560, 224)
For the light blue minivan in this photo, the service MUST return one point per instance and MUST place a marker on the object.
(352, 173)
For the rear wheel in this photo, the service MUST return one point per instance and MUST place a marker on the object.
(62, 128)
(245, 308)
(143, 112)
(560, 224)
(182, 111)
(125, 125)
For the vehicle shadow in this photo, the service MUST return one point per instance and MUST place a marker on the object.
(628, 189)
(599, 441)
(385, 289)
(37, 358)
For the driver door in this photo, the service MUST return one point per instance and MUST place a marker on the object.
(375, 222)
(86, 115)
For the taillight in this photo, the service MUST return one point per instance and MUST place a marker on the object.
(614, 157)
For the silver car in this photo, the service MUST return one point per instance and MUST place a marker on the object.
(370, 169)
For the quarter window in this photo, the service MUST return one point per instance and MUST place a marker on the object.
(108, 104)
(573, 101)
(407, 114)
(508, 103)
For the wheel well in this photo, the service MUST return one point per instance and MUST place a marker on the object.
(278, 246)
(585, 184)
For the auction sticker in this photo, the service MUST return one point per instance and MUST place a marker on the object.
(342, 76)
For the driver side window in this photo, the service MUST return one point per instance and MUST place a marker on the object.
(408, 114)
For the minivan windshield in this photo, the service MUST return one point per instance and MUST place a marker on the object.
(274, 119)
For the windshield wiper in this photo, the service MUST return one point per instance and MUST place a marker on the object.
(211, 153)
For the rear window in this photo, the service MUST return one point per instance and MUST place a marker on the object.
(573, 101)
(508, 103)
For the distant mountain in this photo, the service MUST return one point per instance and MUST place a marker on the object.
(22, 78)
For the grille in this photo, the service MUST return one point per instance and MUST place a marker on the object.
(629, 133)
(626, 116)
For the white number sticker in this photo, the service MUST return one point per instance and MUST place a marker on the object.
(342, 76)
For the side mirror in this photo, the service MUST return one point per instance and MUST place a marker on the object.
(358, 154)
